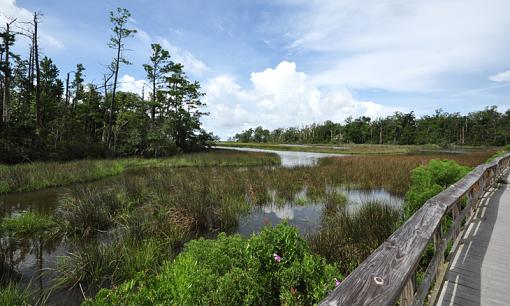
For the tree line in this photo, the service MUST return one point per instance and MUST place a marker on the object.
(44, 117)
(485, 127)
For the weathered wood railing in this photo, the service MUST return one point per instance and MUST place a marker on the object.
(388, 275)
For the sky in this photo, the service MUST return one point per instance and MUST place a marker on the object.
(282, 63)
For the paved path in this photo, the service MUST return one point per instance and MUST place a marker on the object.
(480, 270)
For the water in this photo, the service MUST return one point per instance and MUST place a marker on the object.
(290, 158)
(308, 218)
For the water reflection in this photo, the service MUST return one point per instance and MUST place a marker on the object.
(308, 218)
(289, 158)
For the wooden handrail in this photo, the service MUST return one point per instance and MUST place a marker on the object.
(389, 273)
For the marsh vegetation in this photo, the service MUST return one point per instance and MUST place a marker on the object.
(139, 230)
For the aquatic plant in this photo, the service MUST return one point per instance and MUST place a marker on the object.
(348, 237)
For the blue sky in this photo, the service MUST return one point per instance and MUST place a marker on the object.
(293, 62)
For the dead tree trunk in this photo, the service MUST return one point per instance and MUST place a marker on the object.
(7, 73)
(38, 106)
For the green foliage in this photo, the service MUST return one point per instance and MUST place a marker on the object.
(11, 294)
(485, 127)
(27, 224)
(232, 271)
(429, 180)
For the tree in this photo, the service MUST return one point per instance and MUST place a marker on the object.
(156, 70)
(8, 41)
(120, 31)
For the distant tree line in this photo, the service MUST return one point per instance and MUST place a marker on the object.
(44, 117)
(486, 127)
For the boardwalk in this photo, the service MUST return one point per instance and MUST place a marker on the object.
(480, 270)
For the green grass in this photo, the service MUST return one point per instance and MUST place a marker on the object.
(347, 238)
(351, 149)
(27, 224)
(36, 176)
(11, 294)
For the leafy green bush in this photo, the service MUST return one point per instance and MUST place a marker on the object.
(274, 267)
(429, 180)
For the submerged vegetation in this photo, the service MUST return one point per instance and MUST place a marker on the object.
(36, 176)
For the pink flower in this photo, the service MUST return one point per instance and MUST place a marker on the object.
(277, 257)
(337, 282)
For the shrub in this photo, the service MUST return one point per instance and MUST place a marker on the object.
(429, 180)
(231, 271)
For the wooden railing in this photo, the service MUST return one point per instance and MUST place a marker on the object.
(388, 275)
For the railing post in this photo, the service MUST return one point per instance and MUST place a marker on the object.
(407, 296)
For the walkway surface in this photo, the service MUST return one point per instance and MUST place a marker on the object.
(480, 270)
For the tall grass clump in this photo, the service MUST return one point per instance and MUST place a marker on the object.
(86, 211)
(348, 237)
(274, 267)
(94, 264)
(11, 294)
(429, 180)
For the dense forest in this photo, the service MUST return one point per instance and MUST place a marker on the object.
(486, 127)
(45, 117)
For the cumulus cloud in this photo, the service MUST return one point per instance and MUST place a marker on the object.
(192, 64)
(278, 97)
(502, 77)
(398, 45)
(130, 84)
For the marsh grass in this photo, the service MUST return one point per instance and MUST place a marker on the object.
(27, 224)
(12, 294)
(98, 264)
(40, 175)
(348, 237)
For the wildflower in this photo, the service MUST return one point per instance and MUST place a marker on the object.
(337, 282)
(277, 257)
(293, 291)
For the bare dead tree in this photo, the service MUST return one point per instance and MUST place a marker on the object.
(7, 72)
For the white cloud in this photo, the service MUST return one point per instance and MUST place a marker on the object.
(502, 77)
(399, 45)
(279, 97)
(130, 84)
(10, 10)
(190, 62)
